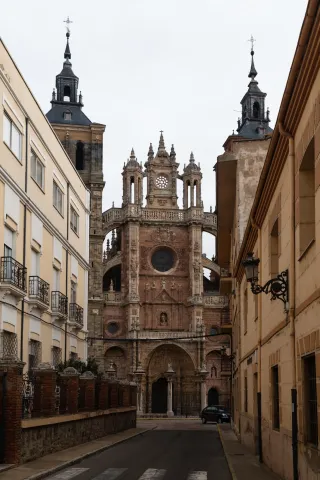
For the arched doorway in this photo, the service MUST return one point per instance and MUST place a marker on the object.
(159, 396)
(117, 356)
(185, 395)
(213, 397)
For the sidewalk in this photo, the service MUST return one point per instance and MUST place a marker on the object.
(49, 464)
(243, 465)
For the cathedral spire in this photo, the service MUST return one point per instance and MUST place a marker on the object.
(162, 149)
(67, 52)
(255, 120)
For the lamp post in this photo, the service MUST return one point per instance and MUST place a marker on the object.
(278, 286)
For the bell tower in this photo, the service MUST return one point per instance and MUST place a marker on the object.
(83, 141)
(162, 174)
(132, 181)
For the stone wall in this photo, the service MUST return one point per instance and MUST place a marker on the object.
(42, 436)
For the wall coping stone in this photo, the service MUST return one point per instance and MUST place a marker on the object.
(39, 422)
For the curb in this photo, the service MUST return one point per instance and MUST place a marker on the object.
(233, 473)
(50, 471)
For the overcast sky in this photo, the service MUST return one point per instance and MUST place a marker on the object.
(180, 66)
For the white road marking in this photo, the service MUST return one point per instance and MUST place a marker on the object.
(110, 474)
(153, 474)
(72, 472)
(197, 476)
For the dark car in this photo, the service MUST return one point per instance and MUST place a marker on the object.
(215, 413)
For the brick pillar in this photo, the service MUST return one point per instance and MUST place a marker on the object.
(124, 396)
(87, 386)
(69, 390)
(11, 389)
(102, 393)
(133, 394)
(44, 400)
(113, 396)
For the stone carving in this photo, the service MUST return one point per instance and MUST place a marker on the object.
(144, 254)
(163, 235)
(163, 318)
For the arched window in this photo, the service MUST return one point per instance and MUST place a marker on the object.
(256, 110)
(66, 93)
(80, 156)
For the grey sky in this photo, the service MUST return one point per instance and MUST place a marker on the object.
(144, 65)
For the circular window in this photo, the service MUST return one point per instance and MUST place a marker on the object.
(112, 327)
(163, 259)
(162, 181)
(213, 331)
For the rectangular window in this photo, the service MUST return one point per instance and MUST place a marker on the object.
(35, 263)
(275, 397)
(57, 198)
(73, 356)
(56, 280)
(35, 354)
(74, 220)
(310, 397)
(245, 393)
(12, 136)
(37, 170)
(245, 311)
(56, 356)
(274, 249)
(307, 198)
(73, 298)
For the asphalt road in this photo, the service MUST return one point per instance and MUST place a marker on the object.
(168, 454)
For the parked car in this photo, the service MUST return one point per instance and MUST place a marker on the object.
(215, 413)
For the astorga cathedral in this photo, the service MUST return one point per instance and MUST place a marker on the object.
(153, 316)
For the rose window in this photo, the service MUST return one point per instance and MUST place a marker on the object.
(162, 181)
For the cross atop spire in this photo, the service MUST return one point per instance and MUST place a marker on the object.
(252, 41)
(162, 149)
(68, 21)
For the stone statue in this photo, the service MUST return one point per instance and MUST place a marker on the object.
(163, 318)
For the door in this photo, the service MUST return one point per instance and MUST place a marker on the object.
(56, 280)
(213, 397)
(159, 396)
(35, 272)
(8, 270)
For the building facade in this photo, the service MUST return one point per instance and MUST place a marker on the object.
(158, 305)
(276, 341)
(44, 234)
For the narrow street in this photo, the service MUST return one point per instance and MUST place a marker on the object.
(175, 450)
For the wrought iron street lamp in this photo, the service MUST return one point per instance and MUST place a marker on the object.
(278, 286)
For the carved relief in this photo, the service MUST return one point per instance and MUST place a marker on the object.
(163, 235)
(163, 318)
(162, 202)
(183, 258)
(144, 254)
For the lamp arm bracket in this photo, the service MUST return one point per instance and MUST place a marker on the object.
(278, 287)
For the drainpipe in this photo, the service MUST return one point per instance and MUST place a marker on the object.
(292, 300)
(24, 238)
(259, 408)
(67, 273)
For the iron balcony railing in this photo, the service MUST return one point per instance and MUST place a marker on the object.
(14, 273)
(59, 303)
(76, 313)
(38, 289)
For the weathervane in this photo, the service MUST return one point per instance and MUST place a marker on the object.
(68, 21)
(252, 40)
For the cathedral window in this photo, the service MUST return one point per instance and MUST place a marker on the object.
(80, 156)
(66, 93)
(256, 110)
(112, 328)
(163, 259)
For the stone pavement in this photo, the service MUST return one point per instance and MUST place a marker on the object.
(242, 463)
(44, 466)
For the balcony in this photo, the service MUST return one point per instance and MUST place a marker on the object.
(38, 293)
(76, 315)
(13, 278)
(59, 306)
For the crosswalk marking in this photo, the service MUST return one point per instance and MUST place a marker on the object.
(110, 474)
(198, 476)
(114, 473)
(153, 474)
(72, 472)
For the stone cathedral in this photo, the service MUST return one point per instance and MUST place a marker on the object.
(153, 315)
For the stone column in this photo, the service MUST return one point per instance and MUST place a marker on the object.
(11, 409)
(169, 375)
(139, 374)
(203, 387)
(45, 382)
(69, 389)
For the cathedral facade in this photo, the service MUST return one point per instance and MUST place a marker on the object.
(153, 316)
